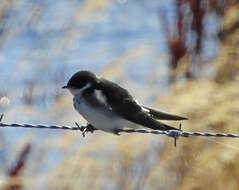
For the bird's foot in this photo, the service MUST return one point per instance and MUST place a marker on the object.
(116, 132)
(87, 128)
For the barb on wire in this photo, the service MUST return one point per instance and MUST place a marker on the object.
(89, 128)
(1, 117)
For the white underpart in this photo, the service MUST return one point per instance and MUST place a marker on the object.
(101, 118)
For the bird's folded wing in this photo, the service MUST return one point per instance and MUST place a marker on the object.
(122, 103)
(162, 115)
(132, 111)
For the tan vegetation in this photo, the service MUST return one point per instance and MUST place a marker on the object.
(136, 161)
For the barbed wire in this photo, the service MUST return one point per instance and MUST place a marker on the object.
(89, 128)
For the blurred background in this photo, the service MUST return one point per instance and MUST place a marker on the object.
(179, 56)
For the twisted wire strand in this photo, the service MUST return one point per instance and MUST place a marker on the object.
(39, 126)
(171, 133)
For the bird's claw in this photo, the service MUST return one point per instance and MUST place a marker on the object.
(85, 129)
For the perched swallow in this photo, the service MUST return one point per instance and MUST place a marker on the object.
(109, 107)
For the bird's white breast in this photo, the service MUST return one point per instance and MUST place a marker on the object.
(101, 118)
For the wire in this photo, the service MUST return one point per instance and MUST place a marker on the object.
(89, 128)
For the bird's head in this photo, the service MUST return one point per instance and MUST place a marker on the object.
(80, 81)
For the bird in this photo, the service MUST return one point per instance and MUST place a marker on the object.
(109, 107)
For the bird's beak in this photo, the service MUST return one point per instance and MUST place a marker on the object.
(64, 87)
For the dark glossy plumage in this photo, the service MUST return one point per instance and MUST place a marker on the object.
(121, 102)
(79, 79)
(162, 115)
(124, 104)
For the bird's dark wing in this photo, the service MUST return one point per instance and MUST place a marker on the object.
(122, 103)
(162, 115)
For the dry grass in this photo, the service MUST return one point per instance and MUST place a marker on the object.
(105, 161)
